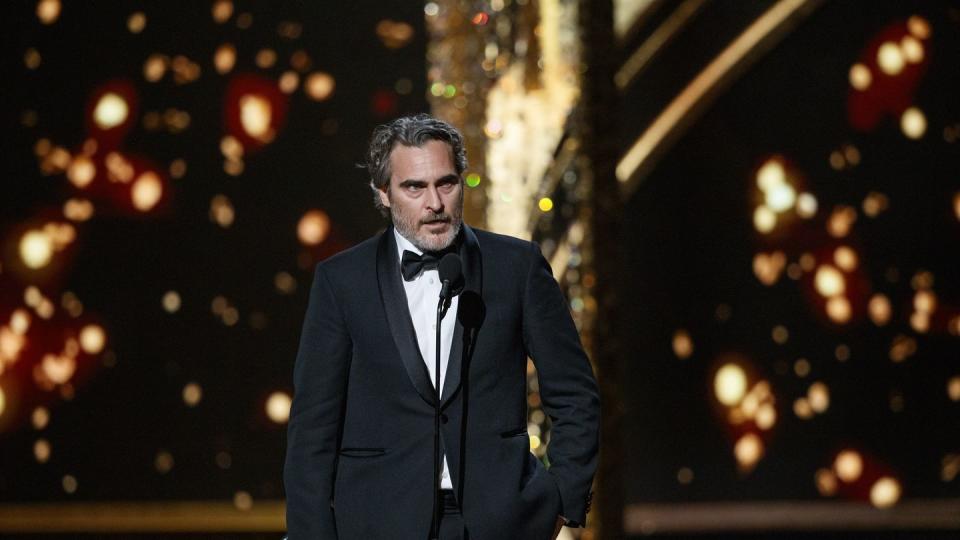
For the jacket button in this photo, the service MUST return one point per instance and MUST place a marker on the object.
(443, 419)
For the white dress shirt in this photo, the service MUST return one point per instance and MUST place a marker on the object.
(423, 293)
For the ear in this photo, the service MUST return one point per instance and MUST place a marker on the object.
(384, 196)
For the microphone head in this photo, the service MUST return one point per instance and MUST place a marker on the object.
(450, 268)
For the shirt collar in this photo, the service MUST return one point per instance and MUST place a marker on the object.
(404, 245)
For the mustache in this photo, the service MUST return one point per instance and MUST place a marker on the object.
(435, 218)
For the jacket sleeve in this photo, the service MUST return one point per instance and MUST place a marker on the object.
(319, 380)
(568, 388)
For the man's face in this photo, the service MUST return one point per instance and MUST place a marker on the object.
(425, 195)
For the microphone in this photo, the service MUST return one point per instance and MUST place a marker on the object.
(451, 276)
(450, 271)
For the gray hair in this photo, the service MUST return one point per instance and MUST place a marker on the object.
(408, 131)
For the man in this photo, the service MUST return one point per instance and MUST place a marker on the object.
(360, 448)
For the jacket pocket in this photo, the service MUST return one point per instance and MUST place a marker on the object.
(362, 452)
(515, 432)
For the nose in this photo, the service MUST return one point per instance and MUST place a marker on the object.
(434, 202)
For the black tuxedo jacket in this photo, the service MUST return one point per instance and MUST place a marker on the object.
(360, 438)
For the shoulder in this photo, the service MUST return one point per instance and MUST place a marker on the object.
(492, 243)
(351, 262)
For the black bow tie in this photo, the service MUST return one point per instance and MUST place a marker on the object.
(412, 264)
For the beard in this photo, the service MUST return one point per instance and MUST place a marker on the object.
(411, 228)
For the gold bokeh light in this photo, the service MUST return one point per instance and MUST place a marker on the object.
(171, 301)
(192, 394)
(221, 211)
(682, 344)
(256, 113)
(36, 249)
(748, 450)
(818, 395)
(111, 111)
(829, 281)
(319, 85)
(224, 58)
(146, 191)
(912, 49)
(848, 466)
(81, 171)
(913, 123)
(860, 77)
(313, 227)
(890, 58)
(48, 11)
(93, 339)
(58, 368)
(839, 309)
(918, 26)
(885, 492)
(41, 450)
(730, 384)
(136, 22)
(764, 219)
(278, 407)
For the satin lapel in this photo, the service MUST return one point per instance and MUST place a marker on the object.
(394, 301)
(473, 280)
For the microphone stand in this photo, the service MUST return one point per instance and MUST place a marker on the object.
(437, 460)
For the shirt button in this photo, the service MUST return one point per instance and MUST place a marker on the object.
(433, 326)
(431, 281)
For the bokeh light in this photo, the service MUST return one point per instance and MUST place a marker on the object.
(36, 249)
(146, 191)
(111, 111)
(224, 58)
(163, 462)
(243, 501)
(136, 22)
(826, 482)
(918, 27)
(829, 281)
(890, 58)
(885, 492)
(69, 483)
(81, 171)
(764, 219)
(912, 49)
(394, 34)
(913, 123)
(278, 407)
(40, 417)
(192, 394)
(41, 450)
(806, 205)
(860, 77)
(48, 11)
(730, 384)
(58, 368)
(839, 309)
(682, 344)
(93, 339)
(222, 10)
(313, 227)
(818, 395)
(319, 85)
(748, 450)
(848, 466)
(171, 301)
(256, 115)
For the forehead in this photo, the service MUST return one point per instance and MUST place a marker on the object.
(433, 159)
